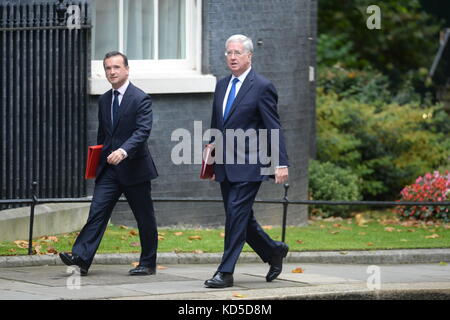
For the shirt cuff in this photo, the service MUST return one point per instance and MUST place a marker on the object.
(123, 152)
(281, 167)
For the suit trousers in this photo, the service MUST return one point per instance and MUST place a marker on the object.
(241, 225)
(107, 192)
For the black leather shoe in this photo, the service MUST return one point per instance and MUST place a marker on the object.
(220, 280)
(276, 264)
(74, 260)
(142, 271)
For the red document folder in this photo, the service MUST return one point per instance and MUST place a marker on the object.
(93, 159)
(207, 162)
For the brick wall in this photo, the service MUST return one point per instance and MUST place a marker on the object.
(285, 30)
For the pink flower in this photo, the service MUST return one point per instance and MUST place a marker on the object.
(430, 187)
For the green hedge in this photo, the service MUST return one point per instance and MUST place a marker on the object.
(386, 145)
(330, 182)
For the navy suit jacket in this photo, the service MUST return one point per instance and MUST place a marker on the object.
(130, 133)
(255, 107)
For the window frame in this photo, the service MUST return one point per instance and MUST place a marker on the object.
(163, 75)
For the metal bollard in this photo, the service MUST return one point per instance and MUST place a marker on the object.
(33, 204)
(285, 208)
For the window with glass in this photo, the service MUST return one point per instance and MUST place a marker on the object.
(143, 29)
(162, 39)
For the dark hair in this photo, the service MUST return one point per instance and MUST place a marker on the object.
(116, 53)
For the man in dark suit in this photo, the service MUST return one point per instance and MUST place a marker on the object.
(125, 167)
(246, 102)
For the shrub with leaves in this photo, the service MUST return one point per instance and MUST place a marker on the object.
(366, 86)
(330, 182)
(388, 146)
(430, 187)
(405, 44)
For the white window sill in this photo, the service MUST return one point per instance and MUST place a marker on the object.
(161, 84)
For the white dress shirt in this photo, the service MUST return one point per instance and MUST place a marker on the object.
(121, 91)
(238, 87)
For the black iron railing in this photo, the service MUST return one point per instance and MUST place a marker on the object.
(43, 97)
(34, 201)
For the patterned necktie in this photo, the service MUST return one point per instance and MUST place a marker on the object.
(115, 107)
(231, 97)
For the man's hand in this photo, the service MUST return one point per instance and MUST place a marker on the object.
(115, 157)
(281, 175)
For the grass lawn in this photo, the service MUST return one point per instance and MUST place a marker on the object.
(367, 231)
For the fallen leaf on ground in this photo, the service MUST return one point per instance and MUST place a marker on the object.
(389, 221)
(123, 227)
(133, 233)
(198, 251)
(238, 295)
(267, 227)
(333, 219)
(298, 270)
(161, 237)
(337, 225)
(343, 253)
(52, 250)
(360, 221)
(362, 233)
(37, 250)
(433, 236)
(161, 267)
(135, 244)
(334, 232)
(195, 238)
(49, 238)
(389, 229)
(178, 234)
(21, 244)
(442, 263)
(300, 241)
(370, 244)
(222, 234)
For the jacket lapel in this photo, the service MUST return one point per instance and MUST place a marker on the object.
(246, 86)
(107, 105)
(219, 101)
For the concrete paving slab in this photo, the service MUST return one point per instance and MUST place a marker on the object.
(14, 295)
(365, 257)
(168, 287)
(177, 281)
(98, 275)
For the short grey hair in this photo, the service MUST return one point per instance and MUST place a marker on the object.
(246, 41)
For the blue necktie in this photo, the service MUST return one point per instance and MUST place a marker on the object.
(231, 97)
(115, 107)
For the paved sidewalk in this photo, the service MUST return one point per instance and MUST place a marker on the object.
(176, 281)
